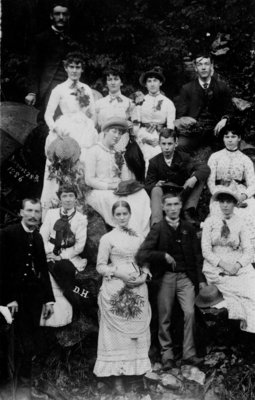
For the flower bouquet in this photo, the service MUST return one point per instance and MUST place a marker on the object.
(126, 303)
(81, 96)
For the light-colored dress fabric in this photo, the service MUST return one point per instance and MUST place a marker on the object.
(63, 310)
(238, 291)
(76, 122)
(228, 166)
(123, 344)
(154, 110)
(115, 106)
(78, 225)
(101, 169)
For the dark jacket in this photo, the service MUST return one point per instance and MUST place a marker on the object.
(190, 101)
(46, 61)
(180, 170)
(14, 264)
(161, 239)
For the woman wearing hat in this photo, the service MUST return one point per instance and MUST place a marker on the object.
(228, 255)
(154, 112)
(104, 174)
(115, 104)
(124, 331)
(231, 167)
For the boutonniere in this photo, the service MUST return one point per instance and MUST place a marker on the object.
(184, 232)
(138, 98)
(81, 96)
(158, 106)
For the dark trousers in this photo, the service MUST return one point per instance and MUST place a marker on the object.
(176, 284)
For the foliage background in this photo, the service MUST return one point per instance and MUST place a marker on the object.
(136, 34)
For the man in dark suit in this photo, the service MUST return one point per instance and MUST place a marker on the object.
(46, 64)
(174, 168)
(173, 252)
(206, 101)
(26, 287)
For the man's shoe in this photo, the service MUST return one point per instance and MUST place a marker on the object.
(168, 364)
(190, 216)
(194, 360)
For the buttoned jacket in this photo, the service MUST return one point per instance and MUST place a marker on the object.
(181, 168)
(15, 261)
(191, 100)
(161, 239)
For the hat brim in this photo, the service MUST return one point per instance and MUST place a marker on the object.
(143, 78)
(120, 125)
(117, 193)
(201, 303)
(222, 191)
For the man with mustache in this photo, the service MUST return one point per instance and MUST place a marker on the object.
(26, 288)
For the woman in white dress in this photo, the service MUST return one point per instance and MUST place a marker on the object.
(227, 255)
(231, 167)
(103, 174)
(76, 103)
(124, 329)
(154, 112)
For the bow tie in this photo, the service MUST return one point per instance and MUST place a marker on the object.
(118, 98)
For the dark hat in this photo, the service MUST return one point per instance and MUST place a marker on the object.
(156, 72)
(128, 187)
(116, 122)
(208, 296)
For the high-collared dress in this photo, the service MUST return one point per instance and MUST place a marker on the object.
(158, 111)
(100, 170)
(116, 105)
(238, 290)
(234, 166)
(123, 344)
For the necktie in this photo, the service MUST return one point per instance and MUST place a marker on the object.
(225, 231)
(205, 86)
(173, 223)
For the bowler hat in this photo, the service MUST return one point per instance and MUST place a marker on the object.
(208, 296)
(128, 187)
(231, 190)
(156, 72)
(116, 122)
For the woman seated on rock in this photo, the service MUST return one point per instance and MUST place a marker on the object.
(152, 113)
(124, 331)
(227, 255)
(231, 167)
(103, 173)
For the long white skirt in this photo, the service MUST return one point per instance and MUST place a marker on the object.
(103, 200)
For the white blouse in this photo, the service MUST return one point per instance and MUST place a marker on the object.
(101, 168)
(228, 165)
(63, 96)
(113, 106)
(155, 110)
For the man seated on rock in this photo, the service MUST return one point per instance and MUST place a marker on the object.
(173, 168)
(205, 103)
(64, 233)
(173, 252)
(103, 173)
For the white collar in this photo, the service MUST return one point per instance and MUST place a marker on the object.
(208, 81)
(113, 96)
(26, 229)
(56, 30)
(68, 212)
